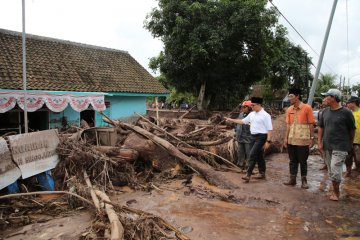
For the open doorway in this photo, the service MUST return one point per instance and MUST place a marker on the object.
(10, 122)
(38, 120)
(88, 116)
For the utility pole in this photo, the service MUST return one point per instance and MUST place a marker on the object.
(24, 66)
(340, 84)
(317, 72)
(306, 77)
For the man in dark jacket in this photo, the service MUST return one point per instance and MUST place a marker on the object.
(243, 137)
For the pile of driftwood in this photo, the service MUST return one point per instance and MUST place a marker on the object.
(144, 154)
(141, 155)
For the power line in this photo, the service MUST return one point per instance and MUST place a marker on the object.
(301, 37)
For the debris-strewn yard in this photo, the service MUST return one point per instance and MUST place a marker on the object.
(175, 179)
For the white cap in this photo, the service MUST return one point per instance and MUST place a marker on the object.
(334, 93)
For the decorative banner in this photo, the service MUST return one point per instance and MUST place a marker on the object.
(9, 172)
(33, 102)
(80, 103)
(98, 103)
(55, 102)
(35, 152)
(7, 102)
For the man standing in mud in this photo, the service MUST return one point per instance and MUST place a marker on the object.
(243, 137)
(354, 155)
(299, 136)
(261, 133)
(335, 137)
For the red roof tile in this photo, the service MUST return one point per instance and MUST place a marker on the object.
(59, 65)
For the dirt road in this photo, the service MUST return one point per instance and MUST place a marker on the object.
(258, 210)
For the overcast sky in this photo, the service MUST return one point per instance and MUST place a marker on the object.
(118, 24)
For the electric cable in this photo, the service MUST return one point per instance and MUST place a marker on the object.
(301, 37)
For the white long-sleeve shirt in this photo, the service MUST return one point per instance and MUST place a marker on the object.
(260, 122)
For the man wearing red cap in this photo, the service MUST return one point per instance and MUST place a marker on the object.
(299, 136)
(243, 137)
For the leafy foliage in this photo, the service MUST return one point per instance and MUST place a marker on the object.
(225, 45)
(325, 82)
(289, 66)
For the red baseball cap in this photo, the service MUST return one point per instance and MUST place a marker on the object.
(246, 103)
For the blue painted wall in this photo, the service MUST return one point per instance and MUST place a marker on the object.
(122, 107)
(72, 117)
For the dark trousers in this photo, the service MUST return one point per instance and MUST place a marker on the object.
(257, 153)
(298, 155)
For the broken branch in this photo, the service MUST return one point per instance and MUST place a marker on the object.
(117, 229)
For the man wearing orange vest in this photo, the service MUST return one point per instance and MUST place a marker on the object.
(299, 136)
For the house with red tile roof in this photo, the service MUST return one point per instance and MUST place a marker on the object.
(67, 82)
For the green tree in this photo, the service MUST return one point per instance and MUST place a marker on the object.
(356, 88)
(215, 49)
(289, 66)
(326, 81)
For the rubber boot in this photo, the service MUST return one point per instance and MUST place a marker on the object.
(292, 181)
(246, 179)
(304, 182)
(336, 191)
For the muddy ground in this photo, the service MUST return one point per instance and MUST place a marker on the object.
(257, 210)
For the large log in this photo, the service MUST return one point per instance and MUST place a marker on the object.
(212, 176)
(110, 121)
(150, 152)
(119, 154)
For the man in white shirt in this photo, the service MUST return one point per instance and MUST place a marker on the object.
(261, 132)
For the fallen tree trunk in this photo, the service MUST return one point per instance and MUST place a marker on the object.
(213, 177)
(110, 121)
(195, 132)
(117, 153)
(150, 152)
(157, 128)
(117, 229)
(209, 143)
(187, 112)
